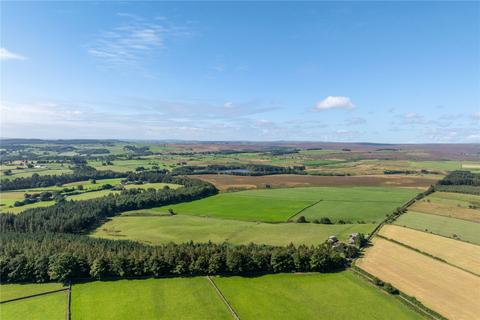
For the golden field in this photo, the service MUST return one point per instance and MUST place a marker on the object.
(450, 291)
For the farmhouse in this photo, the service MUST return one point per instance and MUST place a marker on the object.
(353, 238)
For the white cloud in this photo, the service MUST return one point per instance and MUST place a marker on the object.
(8, 55)
(228, 104)
(334, 102)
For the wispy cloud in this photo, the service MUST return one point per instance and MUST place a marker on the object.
(8, 55)
(134, 41)
(413, 118)
(355, 121)
(334, 102)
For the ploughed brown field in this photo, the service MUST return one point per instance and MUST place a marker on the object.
(450, 291)
(458, 253)
(224, 182)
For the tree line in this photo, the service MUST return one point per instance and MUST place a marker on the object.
(82, 216)
(239, 169)
(42, 257)
(48, 244)
(80, 173)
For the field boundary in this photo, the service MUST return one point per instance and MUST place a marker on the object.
(69, 301)
(225, 301)
(34, 295)
(401, 296)
(303, 209)
(426, 253)
(435, 234)
(401, 210)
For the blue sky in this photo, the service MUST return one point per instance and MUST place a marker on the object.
(399, 72)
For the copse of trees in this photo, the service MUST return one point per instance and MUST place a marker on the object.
(42, 257)
(460, 177)
(81, 216)
(460, 181)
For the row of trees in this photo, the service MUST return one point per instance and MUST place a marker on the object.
(239, 169)
(81, 216)
(80, 173)
(43, 257)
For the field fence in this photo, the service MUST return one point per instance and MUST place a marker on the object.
(34, 295)
(220, 294)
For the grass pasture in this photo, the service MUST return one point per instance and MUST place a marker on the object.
(310, 296)
(446, 289)
(179, 229)
(174, 298)
(51, 306)
(443, 226)
(12, 291)
(278, 205)
(458, 253)
(8, 198)
(241, 206)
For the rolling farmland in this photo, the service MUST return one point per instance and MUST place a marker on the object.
(454, 205)
(13, 291)
(183, 228)
(176, 298)
(457, 253)
(225, 182)
(330, 297)
(443, 226)
(278, 205)
(51, 307)
(446, 289)
(89, 191)
(315, 296)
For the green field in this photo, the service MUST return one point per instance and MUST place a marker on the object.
(88, 185)
(454, 199)
(179, 229)
(310, 296)
(278, 205)
(48, 307)
(8, 198)
(12, 291)
(174, 298)
(444, 226)
(127, 165)
(353, 211)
